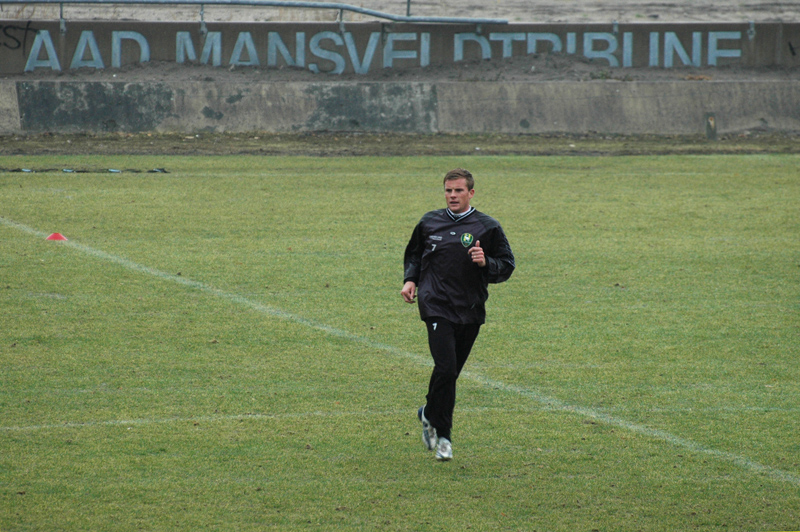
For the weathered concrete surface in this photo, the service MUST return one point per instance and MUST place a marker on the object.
(395, 107)
(101, 106)
(9, 107)
(674, 107)
(292, 106)
(227, 106)
(617, 107)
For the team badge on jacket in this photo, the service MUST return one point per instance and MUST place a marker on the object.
(466, 240)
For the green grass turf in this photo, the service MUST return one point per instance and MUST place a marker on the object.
(225, 347)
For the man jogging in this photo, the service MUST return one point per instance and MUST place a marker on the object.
(453, 255)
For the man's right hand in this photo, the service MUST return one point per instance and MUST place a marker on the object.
(409, 291)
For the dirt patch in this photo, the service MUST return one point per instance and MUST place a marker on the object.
(355, 144)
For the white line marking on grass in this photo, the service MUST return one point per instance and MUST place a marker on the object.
(549, 403)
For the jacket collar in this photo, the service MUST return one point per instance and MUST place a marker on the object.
(456, 217)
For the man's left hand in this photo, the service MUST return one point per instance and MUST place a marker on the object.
(476, 254)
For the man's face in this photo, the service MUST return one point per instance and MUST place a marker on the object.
(457, 195)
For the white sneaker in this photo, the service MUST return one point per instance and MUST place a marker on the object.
(428, 432)
(444, 451)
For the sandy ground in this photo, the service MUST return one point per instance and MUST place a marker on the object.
(510, 10)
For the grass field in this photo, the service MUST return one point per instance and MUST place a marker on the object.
(224, 347)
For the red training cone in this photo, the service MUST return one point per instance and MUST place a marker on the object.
(56, 236)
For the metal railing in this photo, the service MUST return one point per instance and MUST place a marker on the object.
(276, 3)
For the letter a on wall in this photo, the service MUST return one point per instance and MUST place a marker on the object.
(43, 39)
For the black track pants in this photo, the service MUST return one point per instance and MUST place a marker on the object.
(450, 345)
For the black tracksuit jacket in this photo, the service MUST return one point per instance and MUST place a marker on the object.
(449, 284)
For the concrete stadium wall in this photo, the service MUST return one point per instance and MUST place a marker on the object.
(30, 102)
(679, 107)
